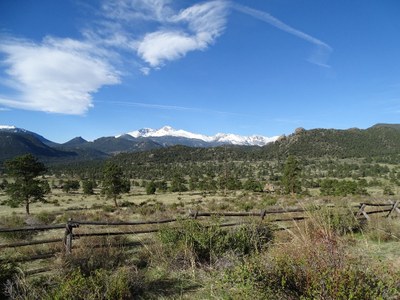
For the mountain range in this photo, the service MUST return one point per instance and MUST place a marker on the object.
(380, 139)
(16, 141)
(216, 140)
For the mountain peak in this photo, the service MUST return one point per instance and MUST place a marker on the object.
(7, 127)
(218, 139)
(76, 141)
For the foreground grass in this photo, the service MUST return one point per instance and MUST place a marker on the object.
(330, 256)
(313, 260)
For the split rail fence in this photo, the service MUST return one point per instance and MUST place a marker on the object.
(71, 231)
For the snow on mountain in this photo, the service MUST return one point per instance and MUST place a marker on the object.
(14, 129)
(223, 138)
(7, 127)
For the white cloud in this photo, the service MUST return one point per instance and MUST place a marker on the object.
(132, 10)
(145, 70)
(198, 27)
(57, 75)
(61, 75)
(160, 46)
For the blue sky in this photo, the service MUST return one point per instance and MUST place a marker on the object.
(98, 68)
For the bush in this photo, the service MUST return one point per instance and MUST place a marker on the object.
(193, 243)
(269, 201)
(340, 220)
(88, 186)
(7, 272)
(314, 265)
(151, 188)
(95, 253)
(15, 221)
(71, 185)
(101, 284)
(46, 217)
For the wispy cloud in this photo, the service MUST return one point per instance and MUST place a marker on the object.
(61, 75)
(194, 28)
(169, 107)
(133, 10)
(165, 34)
(323, 50)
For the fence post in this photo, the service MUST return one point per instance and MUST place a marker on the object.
(395, 207)
(193, 214)
(362, 212)
(68, 236)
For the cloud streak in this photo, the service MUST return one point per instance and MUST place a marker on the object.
(169, 107)
(323, 50)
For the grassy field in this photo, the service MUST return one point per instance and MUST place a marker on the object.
(329, 256)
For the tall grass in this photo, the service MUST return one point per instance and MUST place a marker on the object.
(194, 244)
(315, 264)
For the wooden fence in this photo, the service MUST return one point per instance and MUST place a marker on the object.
(363, 211)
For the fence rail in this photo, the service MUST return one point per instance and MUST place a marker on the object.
(71, 233)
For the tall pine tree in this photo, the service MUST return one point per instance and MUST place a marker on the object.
(291, 173)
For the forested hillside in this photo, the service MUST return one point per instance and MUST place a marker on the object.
(374, 141)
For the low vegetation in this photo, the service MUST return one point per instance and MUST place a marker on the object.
(329, 255)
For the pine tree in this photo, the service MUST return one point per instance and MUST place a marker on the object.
(25, 189)
(291, 173)
(114, 182)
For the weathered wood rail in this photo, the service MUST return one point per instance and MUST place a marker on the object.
(390, 208)
(71, 232)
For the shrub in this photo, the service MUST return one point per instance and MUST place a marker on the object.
(314, 265)
(269, 201)
(101, 284)
(193, 243)
(71, 185)
(151, 188)
(339, 220)
(88, 186)
(95, 253)
(15, 221)
(7, 272)
(45, 217)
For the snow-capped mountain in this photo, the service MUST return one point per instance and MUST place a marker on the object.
(8, 128)
(11, 128)
(220, 138)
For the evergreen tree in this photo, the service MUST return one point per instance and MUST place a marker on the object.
(290, 179)
(71, 185)
(88, 186)
(25, 189)
(114, 182)
(178, 184)
(151, 188)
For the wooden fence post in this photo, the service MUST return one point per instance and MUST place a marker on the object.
(362, 212)
(68, 235)
(395, 208)
(193, 214)
(262, 214)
